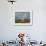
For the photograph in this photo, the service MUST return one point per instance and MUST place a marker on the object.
(23, 18)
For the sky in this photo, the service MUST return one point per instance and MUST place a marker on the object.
(21, 15)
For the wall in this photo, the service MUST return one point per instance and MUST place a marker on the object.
(9, 31)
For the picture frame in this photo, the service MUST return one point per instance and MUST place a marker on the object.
(23, 18)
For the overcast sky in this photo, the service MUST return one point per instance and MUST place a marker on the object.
(20, 15)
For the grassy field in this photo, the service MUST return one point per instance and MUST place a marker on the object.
(22, 21)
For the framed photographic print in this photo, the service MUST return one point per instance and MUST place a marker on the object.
(23, 18)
